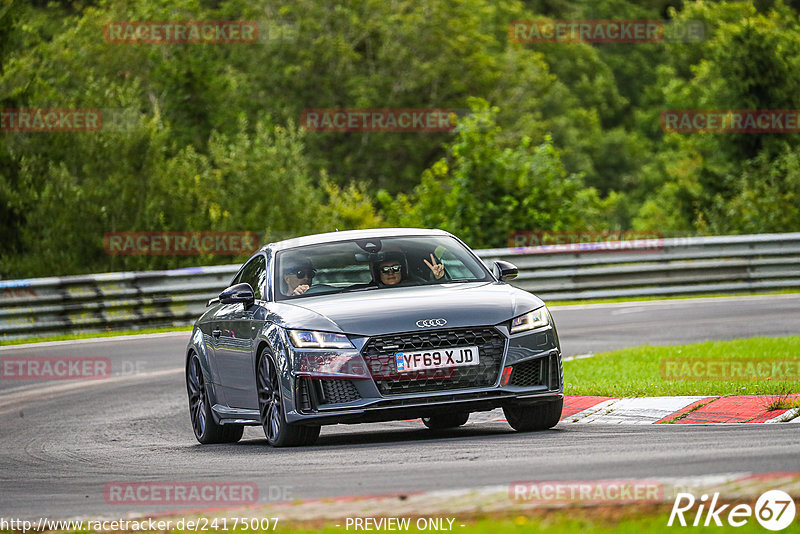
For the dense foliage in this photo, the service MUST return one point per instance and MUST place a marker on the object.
(550, 136)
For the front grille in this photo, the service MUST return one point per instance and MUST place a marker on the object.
(528, 373)
(379, 355)
(338, 391)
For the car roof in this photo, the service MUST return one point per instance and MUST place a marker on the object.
(346, 235)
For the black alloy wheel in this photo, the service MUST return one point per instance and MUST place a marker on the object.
(206, 430)
(279, 433)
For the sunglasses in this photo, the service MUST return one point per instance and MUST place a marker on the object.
(390, 269)
(302, 273)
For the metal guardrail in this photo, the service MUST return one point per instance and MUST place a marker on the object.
(656, 267)
(110, 301)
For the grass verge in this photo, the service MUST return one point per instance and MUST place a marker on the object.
(111, 333)
(783, 403)
(651, 371)
(556, 303)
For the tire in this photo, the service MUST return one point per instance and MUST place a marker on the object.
(445, 420)
(536, 417)
(206, 430)
(279, 433)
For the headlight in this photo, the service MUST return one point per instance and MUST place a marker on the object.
(535, 319)
(307, 339)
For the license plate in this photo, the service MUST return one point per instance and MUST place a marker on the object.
(436, 359)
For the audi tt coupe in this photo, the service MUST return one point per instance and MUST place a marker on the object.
(370, 325)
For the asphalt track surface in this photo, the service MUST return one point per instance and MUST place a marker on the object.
(62, 442)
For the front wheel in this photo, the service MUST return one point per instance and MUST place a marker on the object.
(535, 417)
(205, 429)
(270, 406)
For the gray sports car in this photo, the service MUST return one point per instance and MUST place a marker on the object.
(370, 325)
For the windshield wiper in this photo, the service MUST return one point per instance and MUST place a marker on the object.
(365, 288)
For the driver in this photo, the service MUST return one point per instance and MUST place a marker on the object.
(298, 275)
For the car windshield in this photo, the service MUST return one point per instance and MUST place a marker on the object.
(377, 263)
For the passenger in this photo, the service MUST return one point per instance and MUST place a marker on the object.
(298, 275)
(392, 269)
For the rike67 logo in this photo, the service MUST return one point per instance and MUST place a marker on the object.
(774, 510)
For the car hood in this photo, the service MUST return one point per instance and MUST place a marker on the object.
(383, 311)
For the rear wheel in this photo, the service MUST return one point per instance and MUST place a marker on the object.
(535, 417)
(270, 406)
(205, 429)
(445, 420)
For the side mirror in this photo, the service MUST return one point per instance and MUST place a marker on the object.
(238, 293)
(505, 271)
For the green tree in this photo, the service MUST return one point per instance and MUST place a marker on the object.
(749, 61)
(484, 192)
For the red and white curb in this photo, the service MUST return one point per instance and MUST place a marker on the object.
(678, 410)
(632, 411)
(697, 410)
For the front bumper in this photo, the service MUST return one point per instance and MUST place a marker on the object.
(417, 407)
(526, 369)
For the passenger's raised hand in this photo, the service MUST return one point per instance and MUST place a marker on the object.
(436, 268)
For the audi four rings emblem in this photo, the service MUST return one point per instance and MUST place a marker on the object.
(427, 323)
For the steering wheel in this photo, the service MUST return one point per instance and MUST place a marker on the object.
(319, 288)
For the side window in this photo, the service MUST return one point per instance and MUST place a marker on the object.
(454, 267)
(255, 273)
(261, 278)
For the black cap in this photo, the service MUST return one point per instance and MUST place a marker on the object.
(295, 265)
(390, 255)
